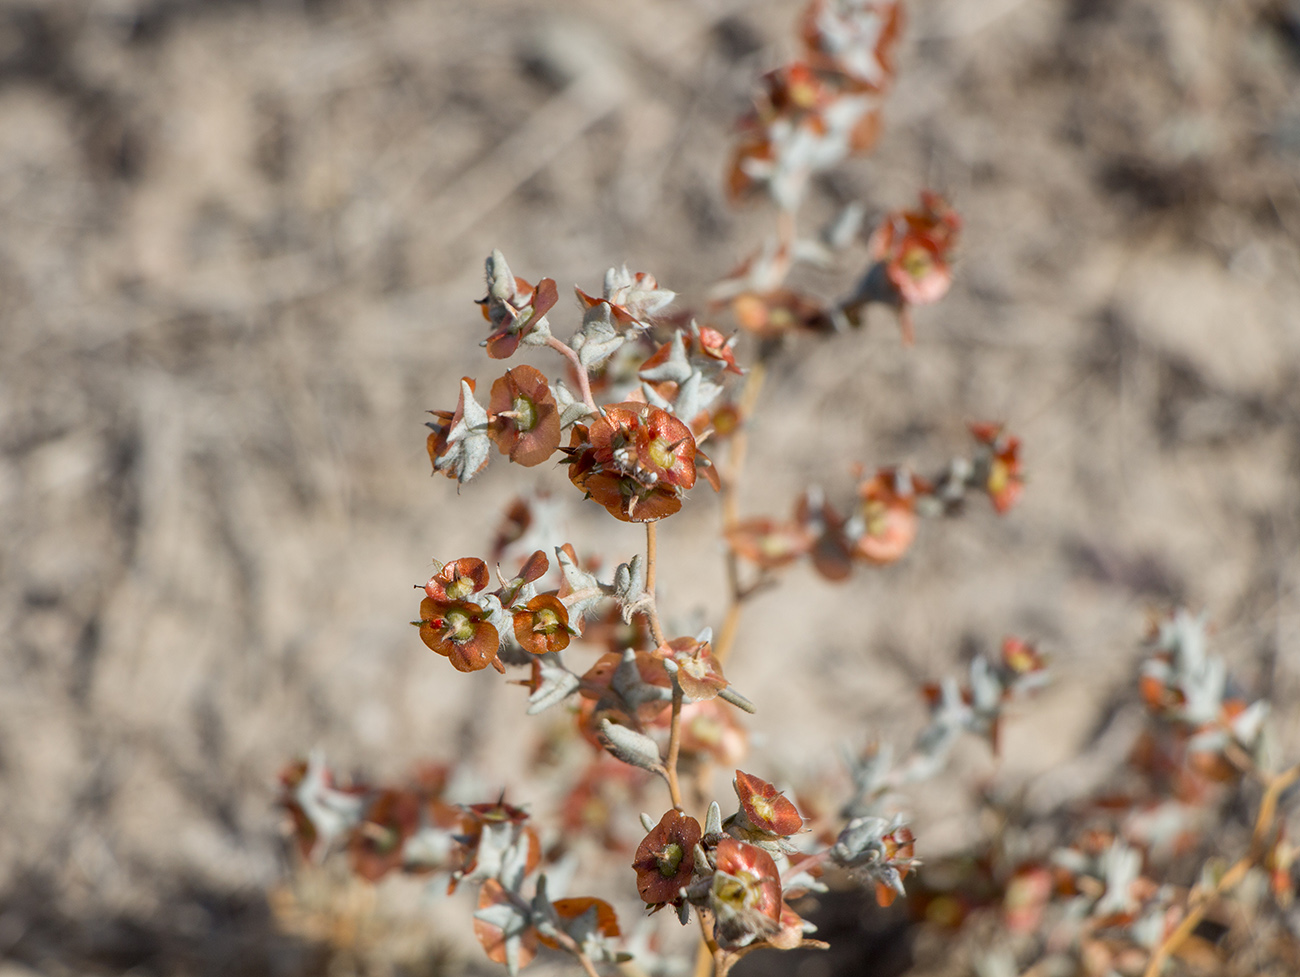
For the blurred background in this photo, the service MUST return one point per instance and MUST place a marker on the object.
(239, 248)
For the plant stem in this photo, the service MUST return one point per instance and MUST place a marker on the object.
(674, 748)
(1232, 877)
(584, 383)
(657, 634)
(731, 510)
(652, 606)
(707, 959)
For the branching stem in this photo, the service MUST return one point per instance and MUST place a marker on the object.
(1232, 877)
(731, 512)
(584, 383)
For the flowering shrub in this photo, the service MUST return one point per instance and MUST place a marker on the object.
(647, 400)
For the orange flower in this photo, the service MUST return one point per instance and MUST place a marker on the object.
(1003, 479)
(783, 310)
(768, 543)
(525, 417)
(459, 631)
(515, 942)
(831, 551)
(856, 40)
(458, 579)
(709, 729)
(636, 460)
(624, 693)
(888, 515)
(605, 923)
(543, 625)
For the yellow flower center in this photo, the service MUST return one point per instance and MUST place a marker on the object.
(661, 454)
(546, 621)
(460, 588)
(917, 263)
(999, 477)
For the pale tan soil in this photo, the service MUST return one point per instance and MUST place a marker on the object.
(239, 244)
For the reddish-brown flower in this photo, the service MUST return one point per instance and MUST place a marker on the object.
(768, 543)
(780, 311)
(543, 625)
(789, 936)
(888, 516)
(1004, 480)
(513, 316)
(831, 551)
(665, 859)
(458, 443)
(711, 730)
(766, 808)
(375, 845)
(633, 299)
(635, 460)
(1021, 658)
(910, 252)
(602, 693)
(458, 579)
(745, 896)
(480, 816)
(459, 631)
(698, 672)
(525, 418)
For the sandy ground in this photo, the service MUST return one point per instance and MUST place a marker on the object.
(239, 244)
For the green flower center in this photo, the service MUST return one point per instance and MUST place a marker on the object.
(546, 621)
(460, 628)
(669, 858)
(525, 413)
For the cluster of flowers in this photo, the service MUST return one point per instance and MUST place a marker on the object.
(492, 845)
(911, 263)
(890, 505)
(977, 707)
(624, 698)
(815, 111)
(810, 115)
(644, 391)
(1096, 902)
(740, 872)
(636, 455)
(910, 254)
